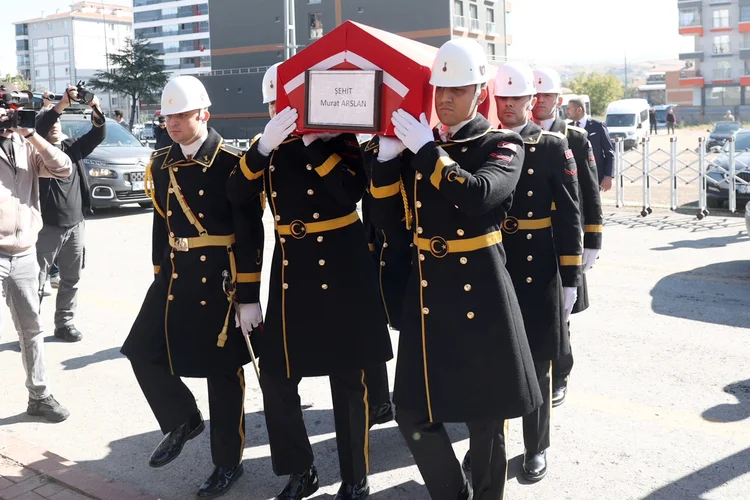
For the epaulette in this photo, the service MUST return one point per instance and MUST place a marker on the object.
(577, 129)
(554, 134)
(160, 152)
(255, 139)
(232, 150)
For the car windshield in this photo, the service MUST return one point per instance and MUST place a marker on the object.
(117, 135)
(741, 142)
(725, 128)
(620, 120)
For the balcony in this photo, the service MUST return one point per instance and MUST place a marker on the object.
(745, 49)
(690, 78)
(491, 28)
(723, 50)
(459, 23)
(719, 2)
(474, 25)
(696, 53)
(687, 4)
(722, 75)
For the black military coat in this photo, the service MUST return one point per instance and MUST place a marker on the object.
(463, 353)
(324, 311)
(186, 309)
(390, 250)
(540, 269)
(590, 202)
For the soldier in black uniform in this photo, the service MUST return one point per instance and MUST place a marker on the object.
(463, 354)
(549, 88)
(207, 255)
(546, 271)
(324, 311)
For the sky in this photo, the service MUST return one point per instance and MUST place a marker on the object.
(549, 32)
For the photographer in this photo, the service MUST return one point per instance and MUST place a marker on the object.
(25, 157)
(65, 203)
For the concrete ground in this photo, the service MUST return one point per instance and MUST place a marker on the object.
(659, 404)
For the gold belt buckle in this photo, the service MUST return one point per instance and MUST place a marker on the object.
(438, 247)
(181, 244)
(510, 225)
(298, 229)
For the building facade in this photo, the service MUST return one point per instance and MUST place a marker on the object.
(252, 39)
(179, 31)
(61, 49)
(716, 53)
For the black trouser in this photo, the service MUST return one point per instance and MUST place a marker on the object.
(670, 127)
(376, 378)
(291, 452)
(562, 366)
(653, 127)
(536, 424)
(173, 404)
(433, 452)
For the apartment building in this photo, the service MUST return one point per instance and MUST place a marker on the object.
(716, 53)
(179, 31)
(252, 37)
(62, 48)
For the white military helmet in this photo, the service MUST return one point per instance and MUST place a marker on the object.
(514, 80)
(183, 93)
(270, 81)
(547, 81)
(459, 62)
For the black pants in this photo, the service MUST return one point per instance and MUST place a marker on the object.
(433, 452)
(173, 404)
(562, 366)
(670, 128)
(536, 424)
(291, 452)
(376, 378)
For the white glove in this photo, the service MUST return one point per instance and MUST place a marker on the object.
(247, 317)
(412, 132)
(389, 148)
(589, 258)
(277, 130)
(570, 294)
(323, 136)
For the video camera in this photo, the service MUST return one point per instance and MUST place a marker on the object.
(14, 101)
(85, 96)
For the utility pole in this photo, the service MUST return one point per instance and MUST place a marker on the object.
(106, 58)
(290, 30)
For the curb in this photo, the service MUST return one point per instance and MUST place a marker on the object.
(66, 472)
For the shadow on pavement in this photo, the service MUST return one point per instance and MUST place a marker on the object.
(90, 359)
(116, 212)
(716, 293)
(695, 485)
(10, 346)
(670, 221)
(735, 412)
(717, 242)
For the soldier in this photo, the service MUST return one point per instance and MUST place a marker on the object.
(546, 288)
(324, 311)
(203, 245)
(549, 88)
(463, 354)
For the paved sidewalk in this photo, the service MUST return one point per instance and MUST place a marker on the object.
(31, 473)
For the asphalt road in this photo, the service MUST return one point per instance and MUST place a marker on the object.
(659, 405)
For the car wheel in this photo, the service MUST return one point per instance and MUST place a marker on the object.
(714, 203)
(146, 204)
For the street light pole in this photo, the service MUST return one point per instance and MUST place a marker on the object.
(290, 29)
(106, 58)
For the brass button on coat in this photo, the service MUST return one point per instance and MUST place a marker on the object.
(310, 192)
(419, 176)
(530, 214)
(324, 286)
(308, 166)
(203, 258)
(529, 280)
(530, 258)
(426, 310)
(316, 215)
(286, 262)
(529, 236)
(282, 240)
(421, 256)
(382, 263)
(385, 245)
(174, 169)
(169, 213)
(320, 239)
(419, 204)
(171, 234)
(530, 171)
(175, 275)
(201, 192)
(470, 315)
(424, 283)
(420, 230)
(460, 232)
(170, 297)
(322, 262)
(203, 280)
(271, 168)
(273, 194)
(203, 302)
(532, 149)
(464, 149)
(170, 191)
(277, 218)
(463, 260)
(530, 194)
(200, 215)
(285, 286)
(467, 287)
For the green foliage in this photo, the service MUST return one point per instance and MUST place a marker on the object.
(135, 71)
(601, 89)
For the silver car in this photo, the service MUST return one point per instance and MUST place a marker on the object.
(116, 168)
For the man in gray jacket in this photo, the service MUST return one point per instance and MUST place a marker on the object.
(24, 158)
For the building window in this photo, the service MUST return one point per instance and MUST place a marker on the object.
(744, 14)
(721, 44)
(36, 73)
(316, 25)
(491, 26)
(473, 17)
(721, 18)
(723, 96)
(690, 17)
(49, 26)
(65, 24)
(723, 71)
(313, 1)
(459, 21)
(36, 43)
(491, 51)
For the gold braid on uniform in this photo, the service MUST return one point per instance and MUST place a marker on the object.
(263, 199)
(407, 212)
(148, 187)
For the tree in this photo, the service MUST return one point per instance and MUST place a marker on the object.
(601, 89)
(135, 72)
(19, 81)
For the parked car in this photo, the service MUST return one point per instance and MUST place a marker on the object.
(717, 185)
(116, 168)
(721, 133)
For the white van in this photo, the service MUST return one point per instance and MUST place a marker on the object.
(563, 108)
(628, 120)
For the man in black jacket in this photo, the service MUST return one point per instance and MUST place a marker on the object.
(604, 150)
(64, 204)
(161, 135)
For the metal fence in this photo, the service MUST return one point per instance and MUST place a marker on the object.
(724, 174)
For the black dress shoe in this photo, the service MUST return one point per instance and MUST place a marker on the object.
(535, 466)
(300, 485)
(381, 414)
(68, 333)
(466, 464)
(220, 481)
(354, 492)
(170, 447)
(559, 391)
(466, 492)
